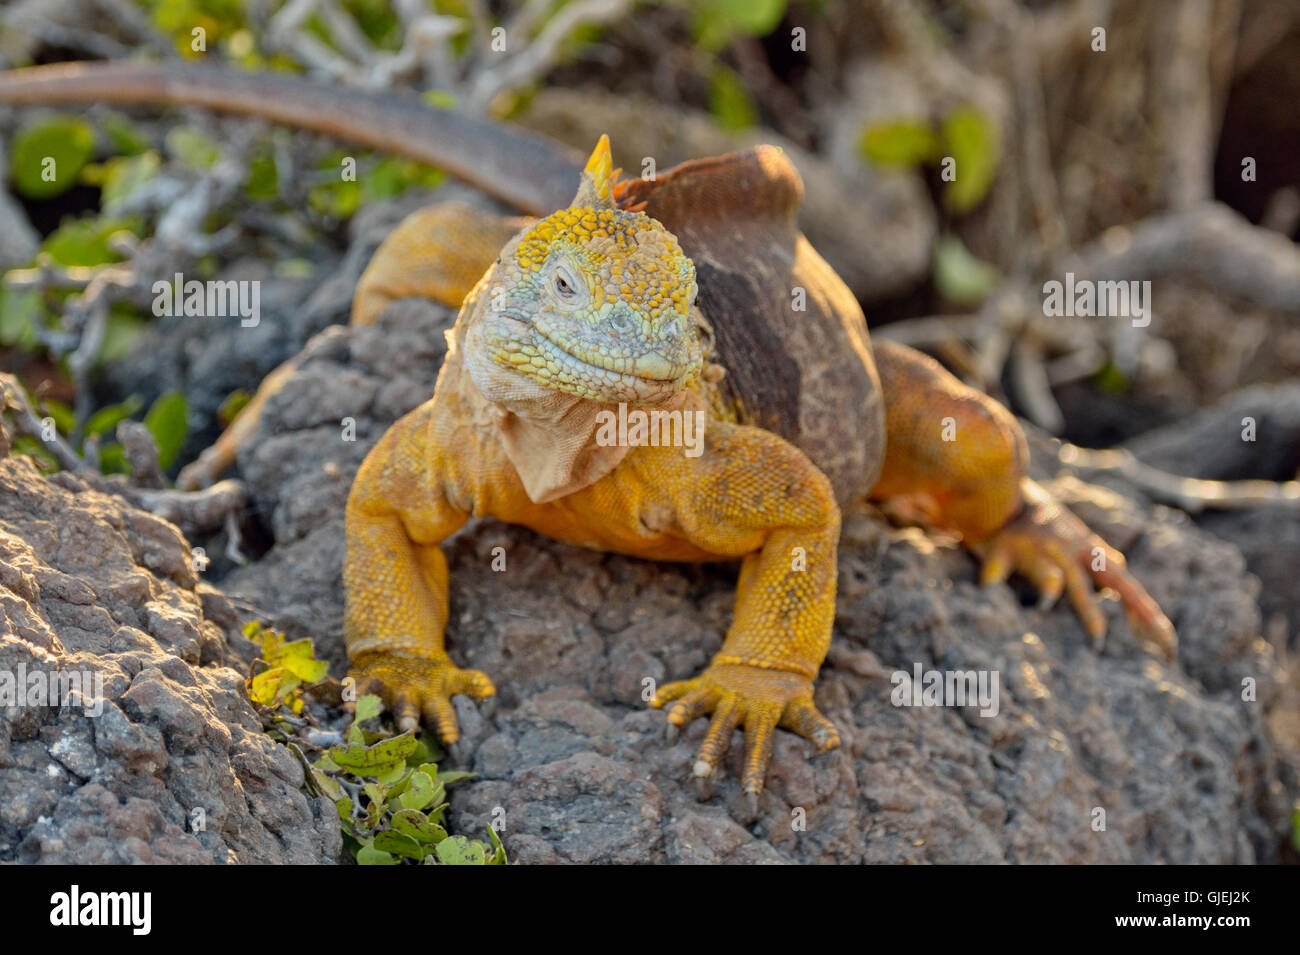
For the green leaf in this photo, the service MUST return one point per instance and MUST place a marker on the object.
(418, 827)
(26, 444)
(376, 759)
(344, 806)
(235, 402)
(326, 783)
(263, 178)
(391, 774)
(107, 418)
(168, 422)
(399, 844)
(368, 707)
(715, 23)
(21, 312)
(112, 459)
(66, 141)
(271, 687)
(429, 751)
(336, 199)
(898, 143)
(1111, 379)
(729, 101)
(192, 148)
(454, 776)
(972, 140)
(125, 139)
(499, 856)
(439, 99)
(300, 659)
(960, 277)
(85, 241)
(389, 178)
(369, 855)
(420, 793)
(122, 175)
(65, 419)
(457, 850)
(326, 764)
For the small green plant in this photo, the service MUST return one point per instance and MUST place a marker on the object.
(391, 799)
(388, 790)
(966, 137)
(287, 666)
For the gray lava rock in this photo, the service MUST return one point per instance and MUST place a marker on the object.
(170, 764)
(1091, 757)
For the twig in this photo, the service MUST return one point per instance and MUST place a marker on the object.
(141, 453)
(536, 57)
(1209, 242)
(1184, 102)
(194, 511)
(1032, 387)
(27, 423)
(1190, 494)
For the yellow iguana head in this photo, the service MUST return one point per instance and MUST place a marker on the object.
(595, 301)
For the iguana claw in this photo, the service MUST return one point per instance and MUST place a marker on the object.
(416, 687)
(1058, 553)
(750, 698)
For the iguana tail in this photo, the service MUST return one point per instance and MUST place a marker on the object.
(530, 173)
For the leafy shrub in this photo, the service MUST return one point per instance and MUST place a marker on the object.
(388, 790)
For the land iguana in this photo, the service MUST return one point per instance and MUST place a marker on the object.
(690, 294)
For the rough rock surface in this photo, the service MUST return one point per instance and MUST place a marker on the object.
(1182, 766)
(89, 583)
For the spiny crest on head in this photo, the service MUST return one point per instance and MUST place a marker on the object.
(638, 259)
(597, 187)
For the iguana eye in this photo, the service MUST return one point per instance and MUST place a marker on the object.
(563, 287)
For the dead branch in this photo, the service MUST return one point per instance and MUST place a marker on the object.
(1189, 494)
(1181, 61)
(1208, 242)
(25, 420)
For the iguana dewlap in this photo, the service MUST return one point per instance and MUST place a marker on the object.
(644, 293)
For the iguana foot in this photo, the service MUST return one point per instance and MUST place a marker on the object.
(413, 685)
(1057, 552)
(754, 699)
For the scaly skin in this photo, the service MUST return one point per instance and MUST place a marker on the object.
(975, 486)
(750, 495)
(597, 304)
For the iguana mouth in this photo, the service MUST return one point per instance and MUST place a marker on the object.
(541, 357)
(677, 370)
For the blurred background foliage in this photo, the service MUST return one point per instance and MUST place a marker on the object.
(1058, 145)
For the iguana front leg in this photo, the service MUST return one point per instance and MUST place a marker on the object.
(395, 576)
(753, 494)
(955, 460)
